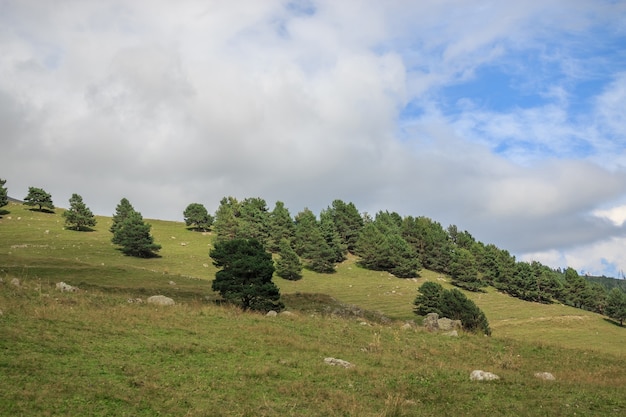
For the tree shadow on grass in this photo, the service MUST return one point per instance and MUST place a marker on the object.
(42, 210)
(81, 229)
(4, 212)
(613, 322)
(141, 255)
(197, 229)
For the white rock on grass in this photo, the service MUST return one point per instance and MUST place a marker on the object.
(63, 287)
(546, 376)
(271, 313)
(479, 375)
(338, 362)
(160, 300)
(16, 282)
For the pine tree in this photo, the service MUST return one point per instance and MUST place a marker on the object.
(4, 199)
(616, 305)
(288, 265)
(133, 235)
(122, 211)
(196, 215)
(281, 226)
(226, 225)
(38, 197)
(245, 277)
(78, 215)
(310, 244)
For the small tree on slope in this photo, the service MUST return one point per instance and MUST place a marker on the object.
(78, 215)
(245, 277)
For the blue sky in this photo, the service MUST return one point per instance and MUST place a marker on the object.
(505, 119)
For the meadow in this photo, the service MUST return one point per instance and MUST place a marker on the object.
(92, 353)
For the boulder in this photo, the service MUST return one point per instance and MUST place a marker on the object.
(431, 322)
(16, 282)
(160, 300)
(479, 375)
(546, 376)
(338, 362)
(63, 287)
(271, 313)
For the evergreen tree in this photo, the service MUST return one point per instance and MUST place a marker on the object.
(38, 197)
(456, 306)
(348, 223)
(310, 244)
(226, 223)
(281, 226)
(122, 211)
(196, 215)
(4, 199)
(245, 277)
(288, 265)
(253, 220)
(464, 272)
(430, 242)
(331, 236)
(382, 248)
(453, 304)
(616, 305)
(428, 299)
(133, 235)
(78, 215)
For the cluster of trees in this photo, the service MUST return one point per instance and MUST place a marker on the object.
(385, 242)
(453, 304)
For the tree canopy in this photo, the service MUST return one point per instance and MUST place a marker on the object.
(245, 277)
(196, 215)
(38, 197)
(132, 233)
(4, 199)
(78, 216)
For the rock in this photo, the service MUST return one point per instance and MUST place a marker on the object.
(406, 326)
(431, 322)
(160, 300)
(446, 324)
(63, 287)
(286, 313)
(271, 313)
(338, 362)
(452, 333)
(134, 301)
(16, 282)
(172, 283)
(546, 376)
(479, 375)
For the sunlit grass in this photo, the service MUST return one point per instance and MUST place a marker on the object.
(92, 353)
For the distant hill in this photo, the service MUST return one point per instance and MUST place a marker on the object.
(14, 200)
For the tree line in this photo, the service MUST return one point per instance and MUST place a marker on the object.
(386, 241)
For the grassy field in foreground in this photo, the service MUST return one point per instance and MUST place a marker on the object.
(92, 353)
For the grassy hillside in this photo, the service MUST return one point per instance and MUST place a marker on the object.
(92, 353)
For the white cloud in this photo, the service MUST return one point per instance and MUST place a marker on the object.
(171, 104)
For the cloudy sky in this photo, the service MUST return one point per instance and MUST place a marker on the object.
(505, 118)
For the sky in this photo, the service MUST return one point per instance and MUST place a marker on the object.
(506, 119)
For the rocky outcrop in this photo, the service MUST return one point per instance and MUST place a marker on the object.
(433, 323)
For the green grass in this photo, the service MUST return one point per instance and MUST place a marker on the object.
(91, 353)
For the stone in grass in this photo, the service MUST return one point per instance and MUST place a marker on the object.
(546, 376)
(160, 300)
(479, 375)
(63, 287)
(338, 362)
